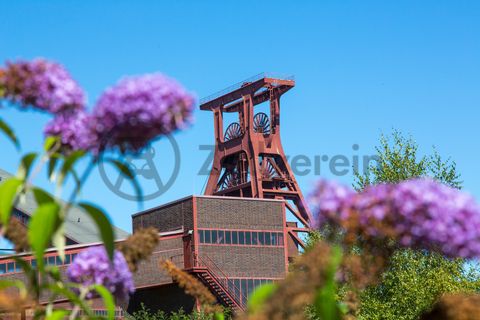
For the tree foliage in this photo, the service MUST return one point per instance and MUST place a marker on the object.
(398, 159)
(414, 280)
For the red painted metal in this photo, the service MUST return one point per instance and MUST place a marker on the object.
(249, 160)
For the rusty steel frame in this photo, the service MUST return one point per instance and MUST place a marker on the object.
(240, 157)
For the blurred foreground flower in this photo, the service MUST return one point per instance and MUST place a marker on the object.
(41, 84)
(419, 213)
(138, 109)
(73, 129)
(127, 116)
(92, 266)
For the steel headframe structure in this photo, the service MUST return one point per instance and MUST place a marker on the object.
(249, 160)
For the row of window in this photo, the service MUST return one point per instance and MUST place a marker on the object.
(11, 267)
(242, 288)
(247, 238)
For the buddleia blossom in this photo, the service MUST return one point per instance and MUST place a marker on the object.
(329, 197)
(42, 84)
(74, 130)
(93, 266)
(418, 213)
(138, 109)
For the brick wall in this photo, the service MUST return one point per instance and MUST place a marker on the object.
(166, 218)
(228, 213)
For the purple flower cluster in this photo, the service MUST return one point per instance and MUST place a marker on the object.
(73, 130)
(128, 116)
(329, 198)
(422, 212)
(42, 84)
(139, 109)
(93, 266)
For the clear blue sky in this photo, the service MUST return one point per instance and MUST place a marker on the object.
(362, 68)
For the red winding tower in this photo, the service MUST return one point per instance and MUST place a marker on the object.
(249, 159)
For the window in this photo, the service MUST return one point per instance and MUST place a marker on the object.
(34, 262)
(250, 286)
(248, 238)
(228, 237)
(18, 267)
(274, 239)
(267, 239)
(59, 261)
(207, 236)
(214, 236)
(280, 239)
(221, 237)
(51, 261)
(241, 237)
(3, 268)
(244, 287)
(11, 267)
(201, 236)
(234, 237)
(260, 238)
(67, 259)
(254, 238)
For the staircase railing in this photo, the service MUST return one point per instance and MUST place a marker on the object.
(225, 282)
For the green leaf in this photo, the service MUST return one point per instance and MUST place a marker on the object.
(26, 165)
(52, 164)
(68, 165)
(41, 196)
(43, 225)
(59, 241)
(8, 192)
(49, 143)
(124, 169)
(259, 296)
(58, 315)
(326, 305)
(5, 128)
(219, 316)
(108, 300)
(103, 224)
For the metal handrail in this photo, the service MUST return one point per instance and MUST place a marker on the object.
(238, 85)
(224, 281)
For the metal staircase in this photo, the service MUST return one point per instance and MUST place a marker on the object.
(221, 286)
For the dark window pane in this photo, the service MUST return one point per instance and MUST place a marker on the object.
(10, 267)
(59, 261)
(207, 236)
(228, 237)
(244, 287)
(234, 237)
(67, 259)
(248, 238)
(214, 236)
(250, 286)
(254, 238)
(74, 255)
(237, 288)
(260, 238)
(257, 282)
(51, 261)
(34, 262)
(241, 237)
(201, 236)
(274, 239)
(221, 237)
(267, 238)
(280, 239)
(18, 268)
(3, 268)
